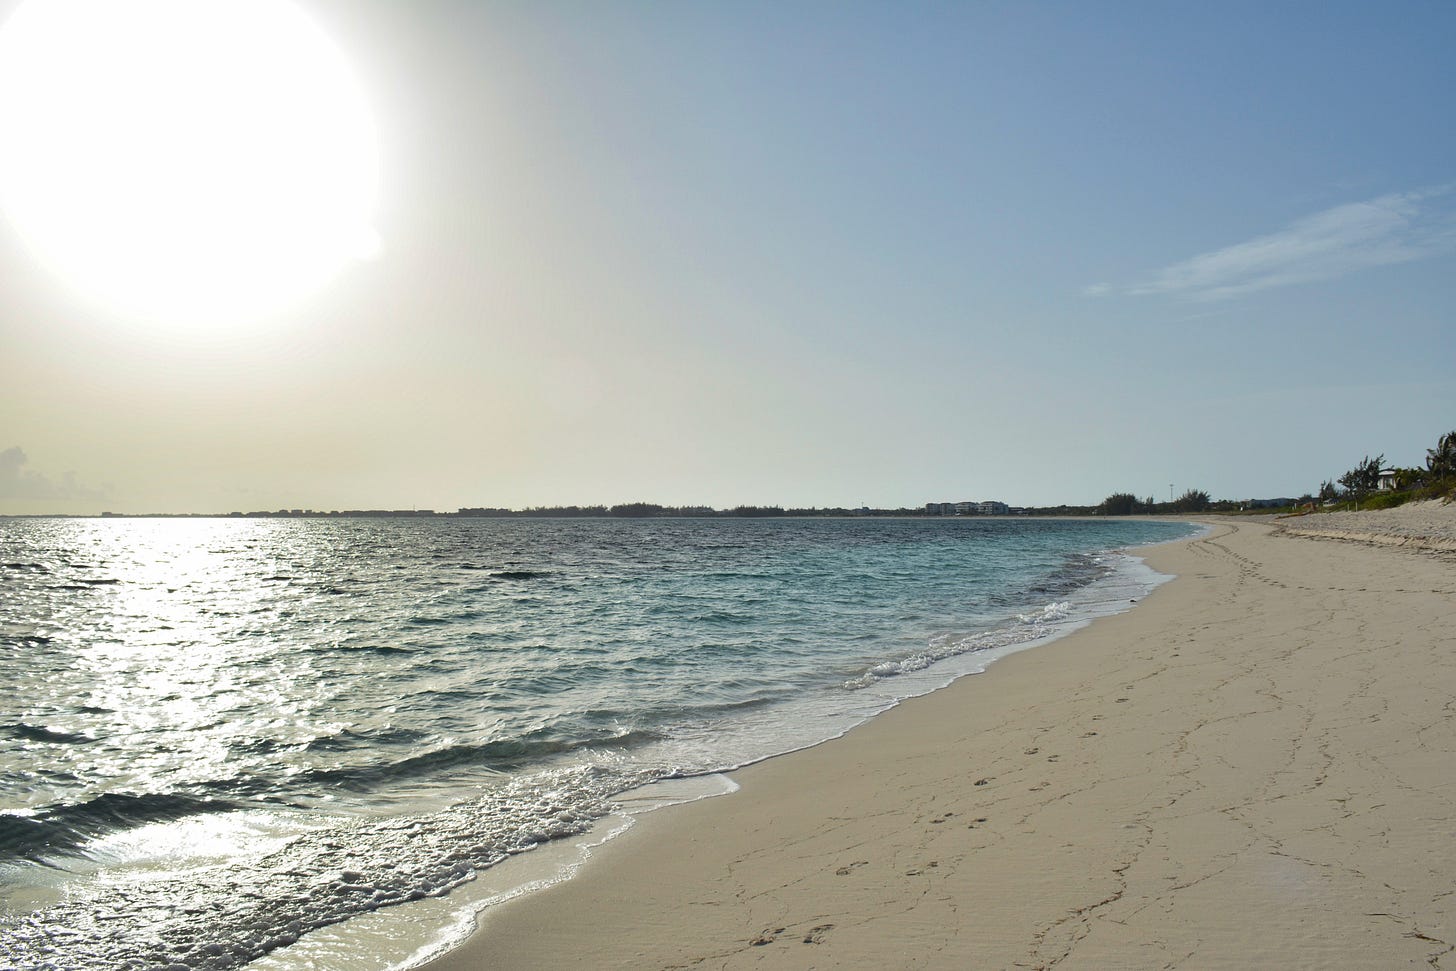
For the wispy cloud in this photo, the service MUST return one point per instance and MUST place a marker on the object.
(1390, 229)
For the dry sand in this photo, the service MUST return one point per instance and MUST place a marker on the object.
(1422, 525)
(1254, 769)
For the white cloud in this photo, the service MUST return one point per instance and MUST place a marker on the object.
(1396, 228)
(19, 482)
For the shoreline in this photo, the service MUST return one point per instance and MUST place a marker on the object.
(360, 871)
(391, 938)
(558, 861)
(1063, 806)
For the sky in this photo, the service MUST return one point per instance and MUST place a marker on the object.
(802, 253)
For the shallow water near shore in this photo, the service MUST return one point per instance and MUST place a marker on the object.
(230, 733)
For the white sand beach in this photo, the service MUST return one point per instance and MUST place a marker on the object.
(1256, 768)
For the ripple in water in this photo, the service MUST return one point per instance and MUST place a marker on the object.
(230, 732)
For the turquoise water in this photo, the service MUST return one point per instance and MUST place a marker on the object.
(221, 734)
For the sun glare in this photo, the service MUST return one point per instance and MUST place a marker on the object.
(184, 161)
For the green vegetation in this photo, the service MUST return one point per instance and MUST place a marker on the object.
(1194, 500)
(1369, 486)
(1121, 504)
(1386, 500)
(1364, 478)
(1441, 460)
(1127, 504)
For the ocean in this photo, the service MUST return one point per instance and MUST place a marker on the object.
(220, 735)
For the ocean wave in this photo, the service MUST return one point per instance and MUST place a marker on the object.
(648, 647)
(1049, 614)
(1028, 627)
(507, 574)
(39, 733)
(370, 777)
(219, 919)
(501, 756)
(64, 830)
(382, 649)
(24, 640)
(348, 739)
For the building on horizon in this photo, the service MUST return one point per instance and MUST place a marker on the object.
(989, 507)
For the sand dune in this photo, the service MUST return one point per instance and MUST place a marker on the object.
(1419, 525)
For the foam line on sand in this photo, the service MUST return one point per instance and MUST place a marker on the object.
(1254, 768)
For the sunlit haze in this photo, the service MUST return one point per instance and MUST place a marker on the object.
(190, 163)
(717, 253)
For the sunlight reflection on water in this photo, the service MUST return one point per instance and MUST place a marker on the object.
(237, 729)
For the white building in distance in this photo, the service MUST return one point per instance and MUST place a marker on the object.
(988, 508)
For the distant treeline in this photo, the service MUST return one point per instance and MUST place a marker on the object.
(651, 510)
(626, 510)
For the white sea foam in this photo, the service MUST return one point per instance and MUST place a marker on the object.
(1051, 613)
(814, 719)
(1127, 580)
(241, 824)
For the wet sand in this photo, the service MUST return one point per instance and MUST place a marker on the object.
(1254, 768)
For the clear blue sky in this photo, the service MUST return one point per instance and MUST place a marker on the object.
(813, 253)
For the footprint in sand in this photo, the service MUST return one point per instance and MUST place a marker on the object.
(816, 934)
(767, 937)
(844, 871)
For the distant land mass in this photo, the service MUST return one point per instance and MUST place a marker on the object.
(630, 510)
(648, 510)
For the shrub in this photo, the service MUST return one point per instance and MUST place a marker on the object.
(1387, 500)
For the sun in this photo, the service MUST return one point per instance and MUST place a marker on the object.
(184, 161)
